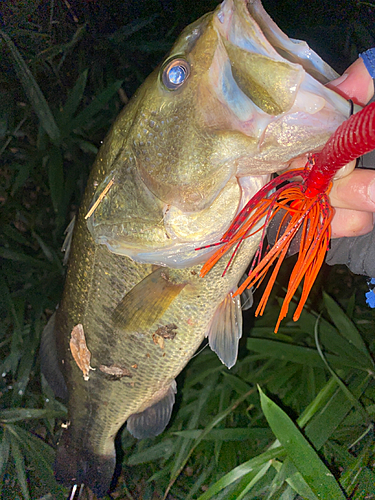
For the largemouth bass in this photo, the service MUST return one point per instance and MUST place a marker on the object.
(234, 101)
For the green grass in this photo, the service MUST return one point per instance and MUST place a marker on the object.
(66, 71)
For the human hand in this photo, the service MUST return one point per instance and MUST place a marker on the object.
(353, 196)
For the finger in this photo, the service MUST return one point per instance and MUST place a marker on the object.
(355, 84)
(355, 191)
(351, 223)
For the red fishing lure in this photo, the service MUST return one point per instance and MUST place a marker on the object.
(306, 210)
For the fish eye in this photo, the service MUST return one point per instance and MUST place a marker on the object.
(175, 73)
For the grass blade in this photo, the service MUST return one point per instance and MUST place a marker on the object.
(10, 415)
(302, 454)
(297, 354)
(346, 326)
(33, 92)
(161, 450)
(237, 434)
(204, 432)
(4, 452)
(73, 100)
(341, 384)
(287, 472)
(7, 253)
(41, 456)
(19, 464)
(98, 103)
(240, 471)
(56, 177)
(257, 475)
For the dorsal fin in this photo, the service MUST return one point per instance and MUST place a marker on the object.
(225, 330)
(154, 419)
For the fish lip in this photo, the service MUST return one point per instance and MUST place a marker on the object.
(235, 23)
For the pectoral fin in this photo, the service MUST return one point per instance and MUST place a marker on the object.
(147, 301)
(154, 419)
(225, 330)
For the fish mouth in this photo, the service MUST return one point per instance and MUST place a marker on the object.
(248, 25)
(273, 86)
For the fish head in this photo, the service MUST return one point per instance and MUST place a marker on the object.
(234, 101)
(226, 102)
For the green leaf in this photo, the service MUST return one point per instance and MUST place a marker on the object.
(185, 447)
(19, 464)
(63, 48)
(4, 452)
(10, 415)
(200, 376)
(314, 472)
(364, 477)
(287, 472)
(257, 474)
(319, 402)
(333, 410)
(236, 383)
(346, 326)
(7, 253)
(98, 103)
(237, 434)
(218, 418)
(21, 178)
(56, 176)
(349, 479)
(201, 479)
(24, 369)
(73, 100)
(41, 456)
(129, 29)
(33, 92)
(15, 235)
(88, 147)
(160, 450)
(241, 470)
(45, 249)
(297, 354)
(351, 397)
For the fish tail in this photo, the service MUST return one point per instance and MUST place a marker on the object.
(75, 465)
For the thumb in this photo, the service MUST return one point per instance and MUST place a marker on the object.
(355, 84)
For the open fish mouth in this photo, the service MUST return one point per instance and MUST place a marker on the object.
(250, 27)
(273, 85)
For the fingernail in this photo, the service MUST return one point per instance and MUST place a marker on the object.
(339, 80)
(371, 191)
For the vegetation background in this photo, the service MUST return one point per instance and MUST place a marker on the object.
(66, 69)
